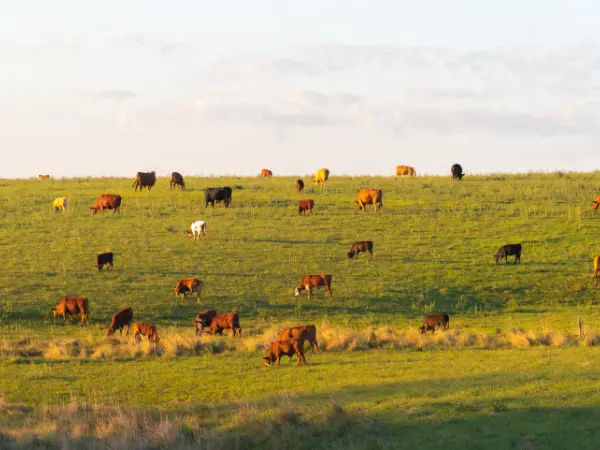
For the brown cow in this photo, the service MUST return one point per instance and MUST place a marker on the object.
(43, 177)
(310, 281)
(285, 347)
(306, 205)
(303, 332)
(144, 180)
(73, 306)
(299, 185)
(147, 330)
(227, 321)
(405, 170)
(204, 319)
(433, 321)
(370, 197)
(266, 173)
(107, 201)
(176, 180)
(121, 319)
(596, 202)
(596, 270)
(361, 246)
(190, 285)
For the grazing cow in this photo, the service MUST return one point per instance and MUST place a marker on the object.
(176, 180)
(596, 270)
(299, 185)
(457, 172)
(316, 281)
(204, 319)
(121, 319)
(405, 170)
(302, 332)
(107, 201)
(59, 204)
(43, 177)
(370, 197)
(321, 177)
(144, 180)
(433, 321)
(361, 246)
(196, 229)
(305, 205)
(104, 259)
(147, 330)
(596, 202)
(266, 173)
(190, 285)
(73, 306)
(508, 250)
(217, 194)
(228, 321)
(285, 347)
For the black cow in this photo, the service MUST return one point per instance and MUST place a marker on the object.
(217, 194)
(508, 250)
(361, 246)
(103, 259)
(457, 172)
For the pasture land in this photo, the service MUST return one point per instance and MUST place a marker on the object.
(517, 369)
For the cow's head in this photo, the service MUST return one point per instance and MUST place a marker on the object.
(190, 233)
(422, 329)
(350, 255)
(94, 210)
(298, 290)
(267, 360)
(109, 331)
(175, 289)
(360, 206)
(595, 204)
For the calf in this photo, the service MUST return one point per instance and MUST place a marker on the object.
(73, 306)
(361, 246)
(190, 285)
(121, 319)
(59, 204)
(310, 281)
(457, 172)
(204, 319)
(176, 180)
(196, 229)
(104, 259)
(228, 321)
(299, 185)
(285, 347)
(302, 332)
(147, 330)
(433, 321)
(305, 205)
(508, 250)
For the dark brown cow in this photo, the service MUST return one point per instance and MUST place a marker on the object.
(314, 281)
(144, 180)
(43, 177)
(190, 285)
(303, 332)
(73, 306)
(266, 173)
(509, 250)
(370, 197)
(147, 330)
(121, 319)
(299, 185)
(285, 347)
(361, 246)
(104, 259)
(305, 205)
(176, 180)
(433, 321)
(228, 321)
(107, 201)
(204, 319)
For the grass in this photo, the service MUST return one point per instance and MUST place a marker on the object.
(514, 370)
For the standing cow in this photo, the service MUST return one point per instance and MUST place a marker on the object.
(147, 330)
(508, 250)
(457, 172)
(107, 201)
(228, 321)
(361, 246)
(433, 321)
(285, 347)
(303, 332)
(144, 180)
(316, 281)
(59, 204)
(190, 285)
(370, 197)
(73, 306)
(196, 229)
(299, 185)
(321, 177)
(212, 195)
(176, 180)
(204, 319)
(121, 319)
(104, 259)
(305, 205)
(266, 173)
(405, 170)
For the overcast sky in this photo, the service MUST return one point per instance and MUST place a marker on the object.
(230, 87)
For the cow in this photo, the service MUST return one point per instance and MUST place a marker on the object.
(144, 180)
(321, 177)
(266, 173)
(121, 319)
(107, 201)
(217, 194)
(596, 270)
(176, 180)
(405, 170)
(104, 259)
(147, 330)
(361, 246)
(204, 319)
(59, 204)
(433, 321)
(285, 347)
(305, 205)
(43, 177)
(508, 250)
(227, 321)
(316, 281)
(596, 202)
(370, 197)
(457, 172)
(303, 332)
(73, 306)
(196, 229)
(299, 185)
(190, 285)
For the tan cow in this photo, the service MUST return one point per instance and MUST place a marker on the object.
(266, 173)
(321, 177)
(147, 330)
(43, 177)
(370, 197)
(596, 270)
(190, 285)
(73, 306)
(303, 332)
(59, 204)
(405, 170)
(596, 202)
(316, 281)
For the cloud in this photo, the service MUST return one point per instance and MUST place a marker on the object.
(138, 39)
(117, 94)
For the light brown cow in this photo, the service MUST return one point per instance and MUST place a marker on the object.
(73, 306)
(59, 204)
(305, 205)
(316, 281)
(43, 177)
(146, 330)
(405, 170)
(370, 197)
(204, 319)
(596, 203)
(285, 347)
(107, 201)
(596, 269)
(303, 332)
(321, 177)
(266, 173)
(190, 285)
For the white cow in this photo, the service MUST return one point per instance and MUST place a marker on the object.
(197, 228)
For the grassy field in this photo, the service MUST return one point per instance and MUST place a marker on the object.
(517, 369)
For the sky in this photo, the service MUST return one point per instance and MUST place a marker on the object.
(112, 87)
